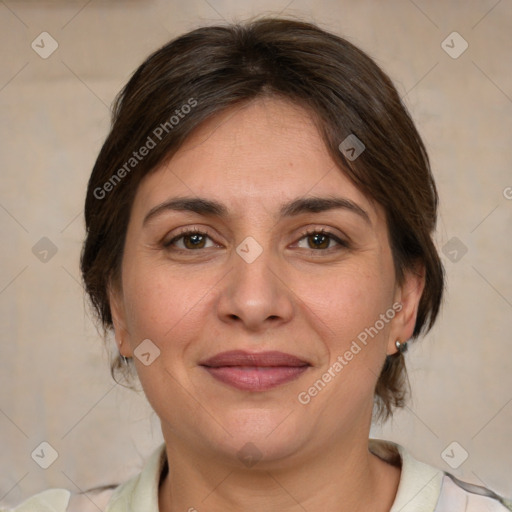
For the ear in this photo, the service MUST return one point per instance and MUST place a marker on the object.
(408, 294)
(117, 310)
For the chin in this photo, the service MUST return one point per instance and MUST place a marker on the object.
(261, 439)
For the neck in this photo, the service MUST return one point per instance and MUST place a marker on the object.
(345, 477)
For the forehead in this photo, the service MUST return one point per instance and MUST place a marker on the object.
(265, 153)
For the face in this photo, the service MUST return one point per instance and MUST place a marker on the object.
(274, 251)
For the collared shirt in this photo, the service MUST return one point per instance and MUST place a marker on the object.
(422, 488)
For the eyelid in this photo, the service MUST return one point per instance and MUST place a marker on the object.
(342, 241)
(188, 231)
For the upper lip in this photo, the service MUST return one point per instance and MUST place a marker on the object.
(243, 358)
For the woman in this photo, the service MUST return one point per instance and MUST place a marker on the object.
(259, 239)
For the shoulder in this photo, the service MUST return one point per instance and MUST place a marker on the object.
(425, 488)
(458, 495)
(51, 500)
(138, 493)
(62, 500)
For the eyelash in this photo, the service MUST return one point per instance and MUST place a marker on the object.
(304, 234)
(324, 232)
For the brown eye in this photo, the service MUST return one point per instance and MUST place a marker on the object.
(194, 241)
(321, 240)
(318, 241)
(189, 240)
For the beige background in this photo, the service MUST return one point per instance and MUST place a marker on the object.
(54, 381)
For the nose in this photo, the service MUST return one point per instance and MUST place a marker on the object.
(255, 294)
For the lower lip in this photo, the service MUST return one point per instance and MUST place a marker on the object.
(255, 378)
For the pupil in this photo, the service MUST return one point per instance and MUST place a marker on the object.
(319, 240)
(195, 240)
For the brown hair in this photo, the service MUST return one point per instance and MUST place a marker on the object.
(209, 69)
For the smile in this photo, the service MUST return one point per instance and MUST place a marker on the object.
(255, 371)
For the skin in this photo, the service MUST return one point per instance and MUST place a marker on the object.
(295, 297)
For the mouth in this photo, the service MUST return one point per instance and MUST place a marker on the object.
(254, 371)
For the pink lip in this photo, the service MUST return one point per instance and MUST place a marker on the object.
(254, 371)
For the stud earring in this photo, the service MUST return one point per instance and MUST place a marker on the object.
(401, 347)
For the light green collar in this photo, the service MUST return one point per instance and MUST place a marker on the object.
(420, 484)
(140, 492)
(419, 487)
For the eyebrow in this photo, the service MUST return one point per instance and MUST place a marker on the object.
(293, 208)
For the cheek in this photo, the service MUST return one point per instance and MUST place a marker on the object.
(346, 314)
(347, 300)
(169, 306)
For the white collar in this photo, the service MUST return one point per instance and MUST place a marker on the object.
(420, 484)
(418, 490)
